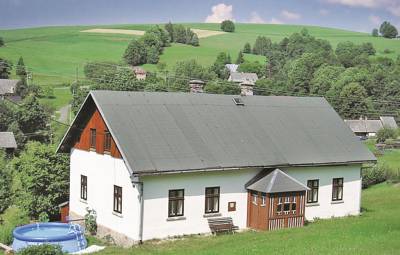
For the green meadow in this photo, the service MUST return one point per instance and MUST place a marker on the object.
(376, 231)
(56, 55)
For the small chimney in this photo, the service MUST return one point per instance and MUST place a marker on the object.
(246, 88)
(196, 86)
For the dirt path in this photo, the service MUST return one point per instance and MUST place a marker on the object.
(64, 114)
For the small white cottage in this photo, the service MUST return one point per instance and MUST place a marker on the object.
(156, 165)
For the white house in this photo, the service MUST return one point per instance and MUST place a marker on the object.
(156, 165)
(369, 127)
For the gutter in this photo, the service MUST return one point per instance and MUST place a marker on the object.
(141, 201)
(152, 173)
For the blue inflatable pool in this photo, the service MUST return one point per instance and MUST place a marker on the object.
(70, 237)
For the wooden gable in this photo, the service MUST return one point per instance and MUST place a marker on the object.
(96, 122)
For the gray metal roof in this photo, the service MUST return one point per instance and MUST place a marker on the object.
(232, 67)
(164, 132)
(388, 121)
(243, 77)
(275, 182)
(7, 140)
(8, 86)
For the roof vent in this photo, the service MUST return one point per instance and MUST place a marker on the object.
(238, 101)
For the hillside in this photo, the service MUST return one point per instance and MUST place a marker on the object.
(56, 55)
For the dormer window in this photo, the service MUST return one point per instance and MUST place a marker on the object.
(92, 141)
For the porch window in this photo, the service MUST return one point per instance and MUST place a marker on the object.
(279, 206)
(263, 199)
(117, 199)
(83, 187)
(107, 141)
(294, 205)
(337, 189)
(254, 197)
(92, 138)
(176, 202)
(312, 194)
(212, 200)
(286, 205)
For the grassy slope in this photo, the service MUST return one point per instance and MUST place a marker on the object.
(377, 231)
(54, 53)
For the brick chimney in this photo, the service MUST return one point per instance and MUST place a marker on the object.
(196, 86)
(246, 88)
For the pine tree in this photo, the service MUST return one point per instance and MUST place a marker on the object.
(20, 70)
(247, 48)
(240, 58)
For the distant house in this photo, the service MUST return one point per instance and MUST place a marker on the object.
(7, 141)
(369, 128)
(8, 88)
(139, 72)
(156, 165)
(232, 68)
(243, 77)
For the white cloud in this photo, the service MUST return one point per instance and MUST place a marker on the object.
(290, 15)
(255, 18)
(220, 12)
(392, 6)
(323, 12)
(375, 20)
(275, 21)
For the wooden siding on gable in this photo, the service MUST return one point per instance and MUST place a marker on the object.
(96, 122)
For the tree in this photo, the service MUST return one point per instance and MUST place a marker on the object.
(136, 53)
(247, 48)
(387, 30)
(222, 87)
(268, 87)
(41, 179)
(20, 69)
(353, 101)
(5, 69)
(32, 116)
(195, 40)
(187, 70)
(227, 26)
(240, 58)
(219, 65)
(350, 54)
(5, 184)
(169, 27)
(375, 32)
(262, 45)
(179, 34)
(385, 133)
(252, 67)
(1, 42)
(324, 78)
(152, 55)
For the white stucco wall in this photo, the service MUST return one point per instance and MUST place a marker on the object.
(156, 188)
(103, 172)
(325, 208)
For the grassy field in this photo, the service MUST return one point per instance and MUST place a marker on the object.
(390, 158)
(377, 231)
(56, 55)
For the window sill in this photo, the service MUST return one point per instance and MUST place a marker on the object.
(83, 201)
(337, 202)
(312, 204)
(118, 214)
(176, 218)
(210, 215)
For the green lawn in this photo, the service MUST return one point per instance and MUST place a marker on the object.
(54, 53)
(377, 231)
(390, 158)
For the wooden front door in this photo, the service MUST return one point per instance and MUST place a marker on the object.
(257, 210)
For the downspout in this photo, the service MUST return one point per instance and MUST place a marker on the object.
(141, 210)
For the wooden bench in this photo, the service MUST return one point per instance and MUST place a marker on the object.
(221, 224)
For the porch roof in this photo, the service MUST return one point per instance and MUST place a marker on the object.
(275, 182)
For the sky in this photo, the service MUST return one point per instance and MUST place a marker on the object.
(356, 15)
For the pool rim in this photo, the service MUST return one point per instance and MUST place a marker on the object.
(59, 238)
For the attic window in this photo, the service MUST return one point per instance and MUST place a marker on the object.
(238, 101)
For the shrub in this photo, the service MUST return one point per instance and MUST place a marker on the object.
(393, 176)
(388, 51)
(43, 249)
(43, 217)
(227, 26)
(386, 133)
(1, 42)
(374, 175)
(91, 221)
(11, 218)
